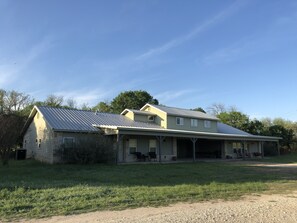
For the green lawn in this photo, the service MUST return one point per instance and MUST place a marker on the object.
(29, 189)
(288, 158)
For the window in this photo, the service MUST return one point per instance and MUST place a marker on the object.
(132, 146)
(68, 142)
(207, 124)
(236, 145)
(151, 118)
(179, 121)
(153, 145)
(194, 122)
(39, 144)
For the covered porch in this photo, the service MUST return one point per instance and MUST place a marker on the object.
(164, 145)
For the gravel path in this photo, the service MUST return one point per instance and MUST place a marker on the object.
(264, 208)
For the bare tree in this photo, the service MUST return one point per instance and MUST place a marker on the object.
(10, 131)
(71, 103)
(54, 101)
(13, 101)
(216, 109)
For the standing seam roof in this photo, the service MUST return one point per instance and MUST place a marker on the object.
(78, 120)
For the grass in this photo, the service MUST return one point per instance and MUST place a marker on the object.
(288, 158)
(29, 189)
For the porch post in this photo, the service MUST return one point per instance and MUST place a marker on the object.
(278, 149)
(160, 139)
(262, 149)
(117, 148)
(194, 148)
(244, 149)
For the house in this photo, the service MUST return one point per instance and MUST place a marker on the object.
(169, 133)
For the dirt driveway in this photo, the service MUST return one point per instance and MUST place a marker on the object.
(264, 208)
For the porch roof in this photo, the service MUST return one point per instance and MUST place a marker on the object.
(225, 132)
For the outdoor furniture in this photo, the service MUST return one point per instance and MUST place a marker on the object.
(139, 156)
(152, 156)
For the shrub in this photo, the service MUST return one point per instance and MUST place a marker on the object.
(87, 150)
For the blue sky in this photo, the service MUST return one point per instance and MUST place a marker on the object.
(185, 53)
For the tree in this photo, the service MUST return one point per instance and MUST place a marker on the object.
(216, 109)
(235, 119)
(85, 107)
(71, 103)
(13, 101)
(54, 101)
(132, 100)
(286, 134)
(102, 107)
(256, 127)
(199, 109)
(10, 129)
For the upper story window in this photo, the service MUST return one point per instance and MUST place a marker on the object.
(179, 121)
(151, 118)
(194, 122)
(207, 124)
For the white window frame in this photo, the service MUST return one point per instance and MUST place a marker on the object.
(207, 124)
(153, 145)
(194, 122)
(132, 145)
(151, 118)
(179, 121)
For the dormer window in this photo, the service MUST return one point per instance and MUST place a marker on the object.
(179, 121)
(151, 118)
(194, 122)
(207, 124)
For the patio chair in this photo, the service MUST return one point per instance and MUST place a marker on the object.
(139, 156)
(152, 156)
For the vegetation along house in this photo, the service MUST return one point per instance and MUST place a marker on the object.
(153, 133)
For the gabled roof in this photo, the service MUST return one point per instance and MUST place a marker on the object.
(137, 112)
(71, 120)
(181, 112)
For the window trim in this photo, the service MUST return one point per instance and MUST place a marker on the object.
(180, 122)
(133, 146)
(151, 118)
(153, 147)
(207, 124)
(194, 122)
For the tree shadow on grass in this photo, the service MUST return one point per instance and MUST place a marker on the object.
(31, 174)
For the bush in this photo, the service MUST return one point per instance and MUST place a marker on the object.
(86, 151)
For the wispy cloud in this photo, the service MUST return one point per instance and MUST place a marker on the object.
(172, 96)
(12, 69)
(235, 51)
(83, 96)
(221, 16)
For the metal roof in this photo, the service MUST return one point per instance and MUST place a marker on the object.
(137, 112)
(181, 112)
(62, 119)
(71, 120)
(227, 129)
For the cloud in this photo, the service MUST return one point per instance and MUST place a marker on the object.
(12, 69)
(233, 8)
(239, 49)
(83, 96)
(171, 96)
